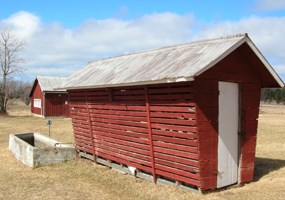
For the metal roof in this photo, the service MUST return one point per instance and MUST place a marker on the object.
(50, 84)
(169, 64)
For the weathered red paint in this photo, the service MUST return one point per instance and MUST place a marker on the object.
(52, 104)
(37, 94)
(182, 119)
(56, 104)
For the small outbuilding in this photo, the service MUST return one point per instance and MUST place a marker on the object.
(47, 100)
(186, 113)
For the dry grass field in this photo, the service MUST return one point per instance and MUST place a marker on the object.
(82, 179)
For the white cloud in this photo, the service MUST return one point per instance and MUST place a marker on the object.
(52, 44)
(25, 23)
(269, 5)
(52, 49)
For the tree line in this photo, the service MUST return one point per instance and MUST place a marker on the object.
(271, 95)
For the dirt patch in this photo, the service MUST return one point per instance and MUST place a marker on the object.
(82, 179)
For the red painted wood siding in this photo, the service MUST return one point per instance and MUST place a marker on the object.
(113, 124)
(251, 97)
(183, 122)
(37, 94)
(55, 105)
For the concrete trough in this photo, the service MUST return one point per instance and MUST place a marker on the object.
(34, 149)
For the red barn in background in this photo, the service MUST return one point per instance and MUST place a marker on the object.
(47, 100)
(185, 113)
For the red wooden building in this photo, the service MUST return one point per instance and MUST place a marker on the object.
(47, 100)
(185, 113)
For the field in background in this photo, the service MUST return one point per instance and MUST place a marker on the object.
(82, 179)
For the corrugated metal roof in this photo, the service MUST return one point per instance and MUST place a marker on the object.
(50, 84)
(170, 64)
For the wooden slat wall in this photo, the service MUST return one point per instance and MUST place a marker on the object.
(80, 122)
(173, 122)
(120, 129)
(207, 123)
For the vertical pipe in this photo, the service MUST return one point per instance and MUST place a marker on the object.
(90, 127)
(150, 133)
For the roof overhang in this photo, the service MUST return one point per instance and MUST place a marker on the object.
(168, 80)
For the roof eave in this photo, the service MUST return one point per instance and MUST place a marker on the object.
(52, 91)
(167, 80)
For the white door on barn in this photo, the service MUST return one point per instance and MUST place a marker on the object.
(228, 134)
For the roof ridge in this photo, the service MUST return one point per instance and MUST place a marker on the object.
(171, 46)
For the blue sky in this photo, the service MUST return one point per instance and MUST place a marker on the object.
(62, 36)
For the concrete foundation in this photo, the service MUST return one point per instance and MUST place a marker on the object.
(34, 149)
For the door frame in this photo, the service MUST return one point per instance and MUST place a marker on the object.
(238, 123)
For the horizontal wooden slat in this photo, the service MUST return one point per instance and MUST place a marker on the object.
(174, 134)
(112, 112)
(175, 152)
(172, 102)
(117, 107)
(177, 171)
(182, 148)
(137, 98)
(177, 159)
(120, 122)
(171, 96)
(124, 161)
(176, 165)
(178, 177)
(84, 149)
(81, 130)
(142, 158)
(118, 117)
(169, 90)
(175, 127)
(122, 142)
(172, 109)
(121, 137)
(123, 92)
(174, 121)
(119, 132)
(120, 127)
(175, 140)
(124, 147)
(122, 156)
(172, 115)
(86, 136)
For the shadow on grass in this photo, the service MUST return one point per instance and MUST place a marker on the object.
(264, 166)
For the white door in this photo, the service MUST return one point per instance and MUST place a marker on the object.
(228, 134)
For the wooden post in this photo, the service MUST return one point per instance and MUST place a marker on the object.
(150, 134)
(90, 127)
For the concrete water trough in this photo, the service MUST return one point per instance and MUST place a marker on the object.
(35, 149)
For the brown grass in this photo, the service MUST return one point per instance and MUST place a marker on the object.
(82, 179)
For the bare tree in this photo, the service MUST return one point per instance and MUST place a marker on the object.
(10, 46)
